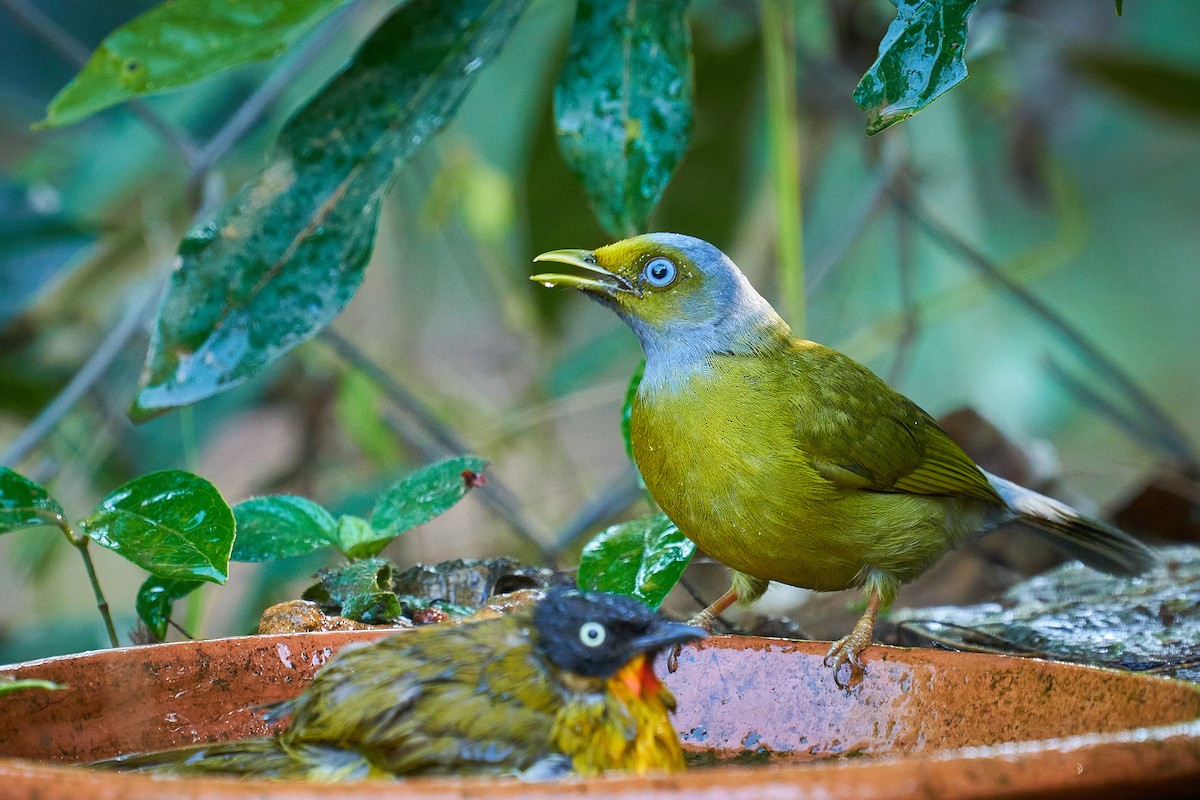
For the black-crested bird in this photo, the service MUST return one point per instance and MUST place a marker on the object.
(568, 684)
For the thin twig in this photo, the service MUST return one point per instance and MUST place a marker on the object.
(855, 223)
(1169, 435)
(258, 103)
(83, 380)
(81, 544)
(495, 494)
(906, 275)
(67, 46)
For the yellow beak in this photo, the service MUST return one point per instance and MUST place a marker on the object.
(608, 284)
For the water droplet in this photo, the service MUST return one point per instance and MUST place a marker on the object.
(472, 65)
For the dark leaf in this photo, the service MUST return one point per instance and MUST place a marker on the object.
(360, 590)
(643, 558)
(425, 494)
(283, 257)
(36, 243)
(172, 524)
(280, 526)
(1119, 9)
(155, 599)
(627, 409)
(920, 58)
(623, 105)
(1160, 85)
(25, 504)
(180, 42)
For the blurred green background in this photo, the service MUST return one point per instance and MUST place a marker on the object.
(1070, 159)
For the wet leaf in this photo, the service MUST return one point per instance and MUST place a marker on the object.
(172, 524)
(280, 526)
(284, 256)
(36, 243)
(25, 504)
(643, 558)
(179, 42)
(8, 685)
(1164, 86)
(360, 590)
(155, 600)
(920, 58)
(623, 105)
(425, 494)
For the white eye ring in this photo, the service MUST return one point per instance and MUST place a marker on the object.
(660, 272)
(592, 634)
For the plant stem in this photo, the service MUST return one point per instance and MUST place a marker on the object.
(81, 544)
(783, 133)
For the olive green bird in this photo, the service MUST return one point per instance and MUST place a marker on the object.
(566, 685)
(789, 461)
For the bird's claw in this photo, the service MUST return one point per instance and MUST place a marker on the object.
(706, 620)
(846, 651)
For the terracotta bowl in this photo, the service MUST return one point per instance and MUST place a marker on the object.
(764, 712)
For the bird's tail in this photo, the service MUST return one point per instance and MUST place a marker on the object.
(256, 756)
(1097, 544)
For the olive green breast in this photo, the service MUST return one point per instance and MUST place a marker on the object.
(738, 458)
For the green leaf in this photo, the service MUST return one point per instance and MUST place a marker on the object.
(8, 685)
(360, 590)
(156, 598)
(1167, 87)
(643, 558)
(920, 57)
(25, 504)
(283, 257)
(172, 524)
(36, 243)
(356, 538)
(177, 43)
(426, 493)
(280, 526)
(1119, 2)
(627, 409)
(623, 105)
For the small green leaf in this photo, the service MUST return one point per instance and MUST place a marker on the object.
(177, 43)
(282, 258)
(643, 558)
(280, 526)
(357, 539)
(172, 524)
(1119, 7)
(156, 598)
(25, 504)
(623, 105)
(360, 590)
(8, 684)
(920, 58)
(426, 493)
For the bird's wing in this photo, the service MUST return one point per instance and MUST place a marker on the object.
(417, 703)
(860, 434)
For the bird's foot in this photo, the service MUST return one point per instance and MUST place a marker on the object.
(846, 650)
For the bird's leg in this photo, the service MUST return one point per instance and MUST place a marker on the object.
(846, 649)
(705, 619)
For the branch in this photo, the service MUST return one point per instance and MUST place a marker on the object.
(616, 497)
(72, 51)
(495, 494)
(1168, 434)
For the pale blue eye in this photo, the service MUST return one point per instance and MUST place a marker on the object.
(660, 272)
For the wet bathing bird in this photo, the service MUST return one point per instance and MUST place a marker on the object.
(568, 684)
(789, 461)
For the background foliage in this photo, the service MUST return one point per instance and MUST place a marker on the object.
(1064, 168)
